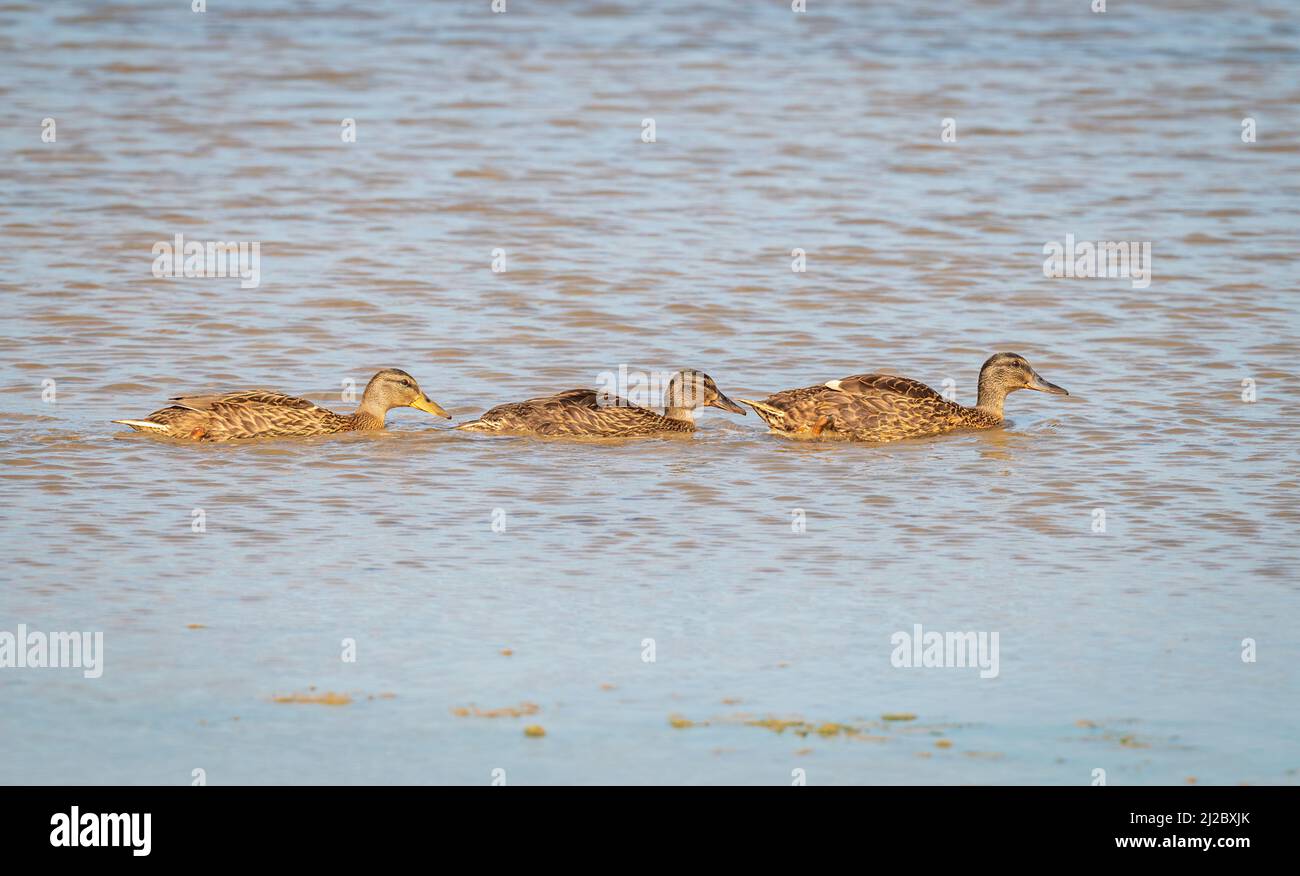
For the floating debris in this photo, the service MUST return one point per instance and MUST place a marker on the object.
(804, 728)
(858, 729)
(1108, 732)
(534, 730)
(328, 698)
(898, 716)
(778, 725)
(518, 711)
(943, 743)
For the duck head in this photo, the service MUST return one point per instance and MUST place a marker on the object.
(1004, 373)
(394, 388)
(691, 389)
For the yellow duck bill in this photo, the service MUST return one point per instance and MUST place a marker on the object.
(728, 405)
(1042, 385)
(429, 406)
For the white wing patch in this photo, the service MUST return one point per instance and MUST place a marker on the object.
(141, 425)
(833, 384)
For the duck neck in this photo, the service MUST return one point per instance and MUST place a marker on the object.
(684, 415)
(370, 414)
(991, 397)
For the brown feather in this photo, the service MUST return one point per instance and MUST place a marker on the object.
(867, 407)
(252, 414)
(576, 413)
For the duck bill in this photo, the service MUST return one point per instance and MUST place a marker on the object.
(429, 406)
(727, 405)
(1042, 385)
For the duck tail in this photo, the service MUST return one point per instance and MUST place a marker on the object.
(476, 426)
(144, 425)
(770, 415)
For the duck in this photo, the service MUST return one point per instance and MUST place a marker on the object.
(882, 407)
(261, 413)
(586, 413)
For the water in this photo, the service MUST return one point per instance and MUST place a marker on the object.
(1119, 650)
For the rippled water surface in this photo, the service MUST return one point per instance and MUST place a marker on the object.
(1119, 650)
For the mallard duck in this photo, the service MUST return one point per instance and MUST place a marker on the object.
(260, 413)
(585, 413)
(880, 407)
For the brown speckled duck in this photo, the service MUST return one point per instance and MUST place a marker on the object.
(260, 413)
(584, 413)
(880, 407)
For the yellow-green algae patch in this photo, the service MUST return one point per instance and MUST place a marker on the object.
(801, 728)
(519, 711)
(780, 725)
(858, 730)
(1105, 732)
(329, 698)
